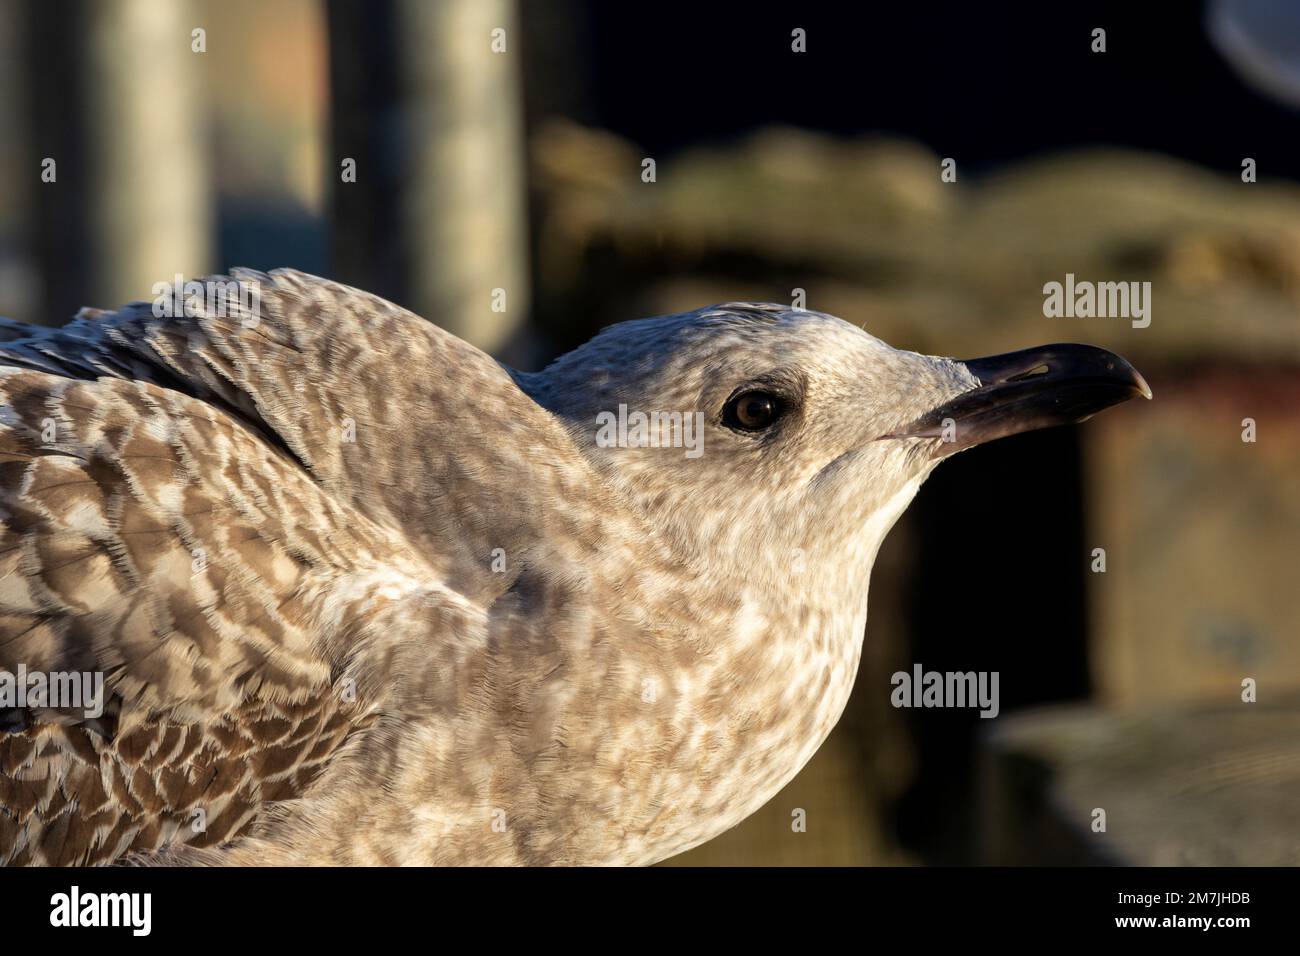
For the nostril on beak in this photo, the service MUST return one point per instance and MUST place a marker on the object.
(1038, 371)
(1061, 363)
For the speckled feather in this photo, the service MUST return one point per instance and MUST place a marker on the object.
(282, 542)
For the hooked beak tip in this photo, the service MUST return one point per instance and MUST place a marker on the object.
(1027, 390)
(1143, 388)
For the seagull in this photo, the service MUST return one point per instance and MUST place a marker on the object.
(358, 594)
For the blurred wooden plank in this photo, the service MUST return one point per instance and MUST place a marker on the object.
(1180, 787)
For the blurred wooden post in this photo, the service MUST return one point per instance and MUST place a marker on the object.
(363, 241)
(17, 267)
(150, 206)
(432, 116)
(130, 205)
(60, 239)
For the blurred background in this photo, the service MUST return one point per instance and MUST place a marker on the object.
(484, 163)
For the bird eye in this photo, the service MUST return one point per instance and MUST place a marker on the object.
(752, 411)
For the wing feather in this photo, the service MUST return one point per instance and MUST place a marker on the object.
(260, 525)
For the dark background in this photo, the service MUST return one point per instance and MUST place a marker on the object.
(986, 82)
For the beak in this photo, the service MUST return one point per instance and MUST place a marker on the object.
(1025, 390)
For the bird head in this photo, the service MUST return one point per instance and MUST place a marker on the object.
(744, 430)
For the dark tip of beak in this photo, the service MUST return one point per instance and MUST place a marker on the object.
(1054, 365)
(1026, 390)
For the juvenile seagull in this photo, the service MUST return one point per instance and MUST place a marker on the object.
(362, 595)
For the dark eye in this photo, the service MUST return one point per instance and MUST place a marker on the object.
(752, 411)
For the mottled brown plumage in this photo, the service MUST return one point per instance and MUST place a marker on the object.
(360, 594)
